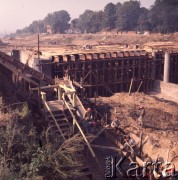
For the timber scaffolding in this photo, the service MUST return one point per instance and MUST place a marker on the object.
(63, 111)
(104, 74)
(115, 70)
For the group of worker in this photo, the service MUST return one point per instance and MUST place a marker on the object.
(88, 120)
(129, 143)
(89, 123)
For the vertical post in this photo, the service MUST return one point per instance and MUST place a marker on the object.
(59, 92)
(131, 83)
(73, 128)
(153, 68)
(74, 99)
(43, 96)
(166, 67)
(38, 46)
(106, 120)
(81, 84)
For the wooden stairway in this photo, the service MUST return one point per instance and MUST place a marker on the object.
(62, 123)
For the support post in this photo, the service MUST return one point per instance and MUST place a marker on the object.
(130, 86)
(166, 67)
(153, 68)
(43, 94)
(38, 46)
(74, 100)
(73, 128)
(59, 93)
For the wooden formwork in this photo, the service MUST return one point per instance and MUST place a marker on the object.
(107, 73)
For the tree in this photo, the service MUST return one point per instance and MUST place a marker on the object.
(163, 16)
(128, 15)
(85, 20)
(143, 23)
(109, 16)
(96, 22)
(75, 23)
(60, 21)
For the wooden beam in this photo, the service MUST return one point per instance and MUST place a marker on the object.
(106, 147)
(139, 86)
(81, 131)
(46, 87)
(130, 86)
(49, 110)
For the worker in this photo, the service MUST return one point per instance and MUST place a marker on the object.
(168, 170)
(87, 121)
(88, 115)
(115, 124)
(130, 145)
(141, 115)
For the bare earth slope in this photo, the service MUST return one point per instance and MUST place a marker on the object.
(161, 122)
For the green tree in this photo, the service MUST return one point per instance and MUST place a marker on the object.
(109, 16)
(163, 16)
(75, 23)
(96, 22)
(60, 21)
(85, 20)
(143, 23)
(128, 15)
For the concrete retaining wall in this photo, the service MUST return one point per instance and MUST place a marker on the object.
(168, 89)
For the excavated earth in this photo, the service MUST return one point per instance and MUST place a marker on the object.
(160, 132)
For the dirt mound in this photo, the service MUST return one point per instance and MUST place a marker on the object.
(158, 119)
(160, 131)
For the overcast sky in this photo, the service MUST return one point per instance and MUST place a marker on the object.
(16, 14)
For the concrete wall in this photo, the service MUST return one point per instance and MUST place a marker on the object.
(168, 89)
(32, 60)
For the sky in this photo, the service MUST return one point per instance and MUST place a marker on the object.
(16, 14)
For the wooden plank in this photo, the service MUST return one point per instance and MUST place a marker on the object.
(140, 143)
(49, 110)
(106, 147)
(56, 105)
(46, 87)
(81, 131)
(139, 86)
(130, 86)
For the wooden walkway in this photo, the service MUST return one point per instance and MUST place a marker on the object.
(57, 105)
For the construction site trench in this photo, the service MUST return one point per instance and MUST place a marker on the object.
(65, 104)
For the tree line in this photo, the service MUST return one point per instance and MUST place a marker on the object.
(128, 16)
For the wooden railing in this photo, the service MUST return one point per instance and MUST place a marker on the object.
(49, 110)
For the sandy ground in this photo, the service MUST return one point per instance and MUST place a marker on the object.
(160, 132)
(57, 44)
